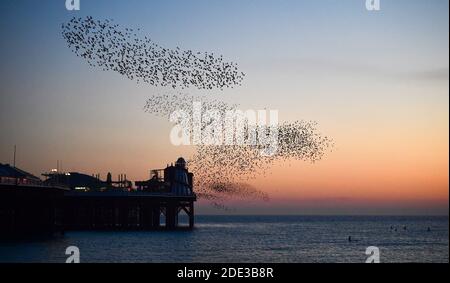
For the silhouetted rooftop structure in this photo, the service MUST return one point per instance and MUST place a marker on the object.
(84, 182)
(176, 180)
(14, 175)
(74, 181)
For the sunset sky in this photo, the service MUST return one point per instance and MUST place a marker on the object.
(376, 82)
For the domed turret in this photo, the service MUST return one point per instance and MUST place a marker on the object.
(180, 162)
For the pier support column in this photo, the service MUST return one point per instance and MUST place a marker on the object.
(91, 219)
(191, 215)
(123, 215)
(171, 215)
(145, 215)
(156, 215)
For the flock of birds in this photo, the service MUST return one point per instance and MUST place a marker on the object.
(108, 46)
(221, 171)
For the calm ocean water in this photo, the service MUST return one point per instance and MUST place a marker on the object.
(253, 239)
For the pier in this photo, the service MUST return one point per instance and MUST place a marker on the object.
(74, 201)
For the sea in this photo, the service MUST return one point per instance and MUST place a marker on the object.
(250, 239)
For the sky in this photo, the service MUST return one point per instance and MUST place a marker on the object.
(377, 82)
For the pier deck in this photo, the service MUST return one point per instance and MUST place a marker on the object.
(26, 210)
